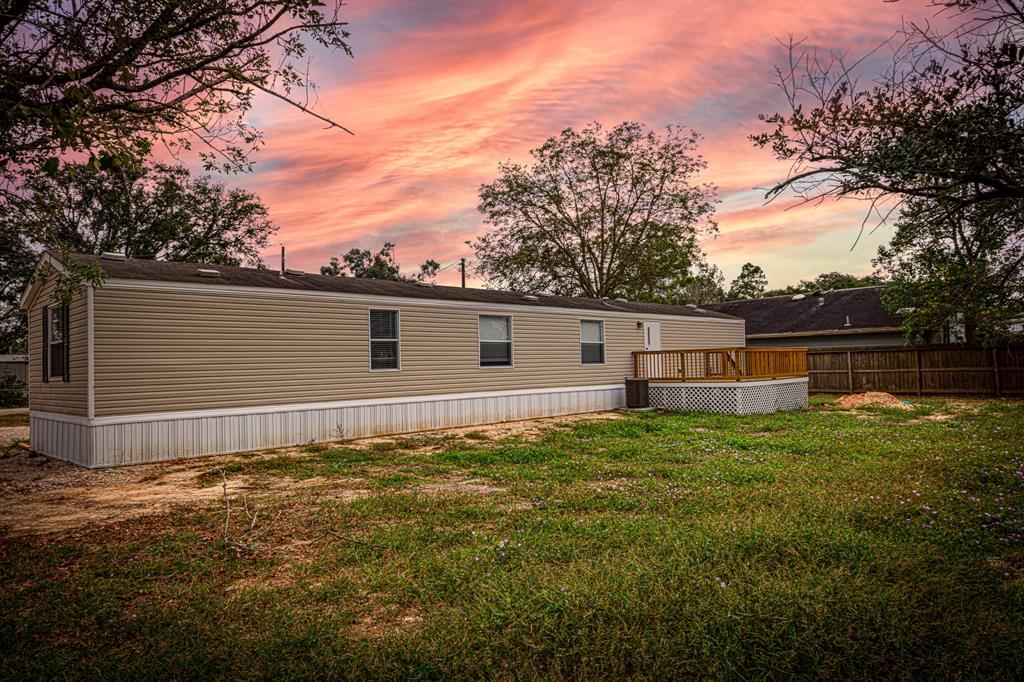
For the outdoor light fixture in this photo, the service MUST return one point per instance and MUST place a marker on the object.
(639, 324)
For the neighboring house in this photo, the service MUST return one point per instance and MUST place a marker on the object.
(837, 318)
(168, 360)
(14, 366)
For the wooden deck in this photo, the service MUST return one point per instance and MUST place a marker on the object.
(720, 364)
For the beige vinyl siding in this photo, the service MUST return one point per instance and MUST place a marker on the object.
(692, 332)
(56, 395)
(160, 351)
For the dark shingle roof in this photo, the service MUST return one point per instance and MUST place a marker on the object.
(167, 271)
(830, 311)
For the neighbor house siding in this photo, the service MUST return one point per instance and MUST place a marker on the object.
(14, 368)
(161, 351)
(64, 397)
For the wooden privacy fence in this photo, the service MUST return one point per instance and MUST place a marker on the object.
(954, 370)
(720, 364)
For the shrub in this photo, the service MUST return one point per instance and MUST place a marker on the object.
(12, 392)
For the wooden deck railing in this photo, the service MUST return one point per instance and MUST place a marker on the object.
(720, 364)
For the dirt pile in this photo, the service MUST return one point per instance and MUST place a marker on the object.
(872, 399)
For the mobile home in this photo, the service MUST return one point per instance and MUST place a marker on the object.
(166, 360)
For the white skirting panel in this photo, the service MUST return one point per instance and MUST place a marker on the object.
(731, 397)
(67, 438)
(135, 439)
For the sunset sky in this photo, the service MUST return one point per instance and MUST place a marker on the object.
(439, 93)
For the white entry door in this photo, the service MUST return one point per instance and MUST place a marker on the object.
(652, 335)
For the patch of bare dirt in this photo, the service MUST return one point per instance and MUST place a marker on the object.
(428, 441)
(472, 486)
(871, 399)
(937, 417)
(75, 498)
(382, 621)
(342, 494)
(12, 433)
(43, 495)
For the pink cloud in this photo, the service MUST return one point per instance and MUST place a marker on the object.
(439, 94)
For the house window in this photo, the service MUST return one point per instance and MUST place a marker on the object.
(56, 342)
(495, 341)
(384, 351)
(592, 342)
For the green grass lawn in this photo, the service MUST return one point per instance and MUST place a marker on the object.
(819, 543)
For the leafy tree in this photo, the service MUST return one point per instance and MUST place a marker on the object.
(106, 78)
(16, 264)
(942, 123)
(828, 281)
(750, 283)
(380, 265)
(704, 284)
(157, 211)
(598, 213)
(428, 270)
(965, 268)
(938, 139)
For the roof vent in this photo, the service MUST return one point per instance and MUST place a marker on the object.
(821, 301)
(692, 306)
(799, 297)
(295, 273)
(207, 272)
(530, 297)
(622, 300)
(847, 322)
(112, 255)
(424, 284)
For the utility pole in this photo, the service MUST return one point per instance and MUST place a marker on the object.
(462, 266)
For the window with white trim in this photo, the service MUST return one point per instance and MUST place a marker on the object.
(384, 340)
(495, 341)
(592, 342)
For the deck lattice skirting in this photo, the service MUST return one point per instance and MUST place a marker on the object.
(137, 439)
(731, 397)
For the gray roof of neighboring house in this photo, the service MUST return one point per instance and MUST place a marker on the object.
(169, 271)
(841, 310)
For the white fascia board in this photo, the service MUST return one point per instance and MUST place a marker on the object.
(35, 282)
